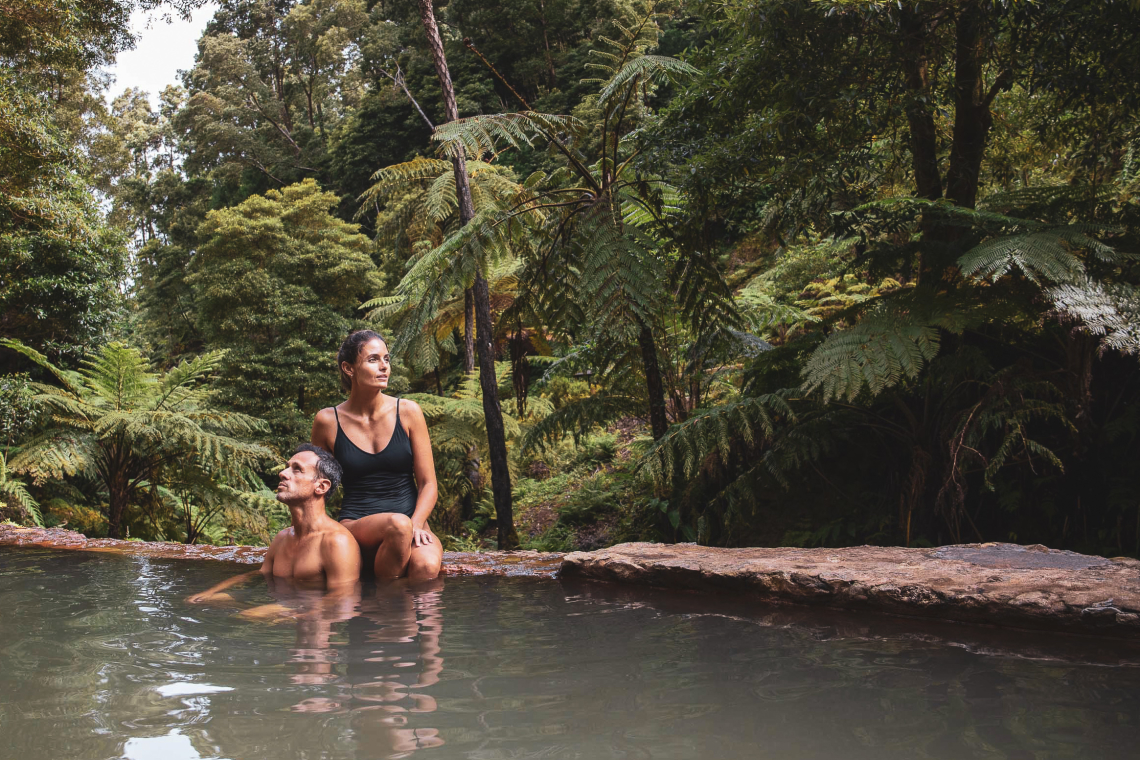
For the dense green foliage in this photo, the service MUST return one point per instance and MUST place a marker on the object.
(155, 444)
(760, 271)
(278, 279)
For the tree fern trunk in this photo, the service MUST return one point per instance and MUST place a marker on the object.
(923, 132)
(116, 506)
(658, 422)
(972, 118)
(468, 330)
(484, 326)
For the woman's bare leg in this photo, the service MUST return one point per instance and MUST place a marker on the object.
(425, 561)
(389, 534)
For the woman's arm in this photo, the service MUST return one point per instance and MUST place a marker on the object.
(324, 429)
(423, 465)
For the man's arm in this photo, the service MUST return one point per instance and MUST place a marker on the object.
(214, 593)
(340, 560)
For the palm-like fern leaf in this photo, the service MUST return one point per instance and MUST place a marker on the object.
(1111, 311)
(71, 381)
(578, 417)
(682, 451)
(877, 353)
(645, 68)
(12, 491)
(1043, 254)
(490, 133)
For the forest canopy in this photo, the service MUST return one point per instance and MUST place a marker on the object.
(757, 272)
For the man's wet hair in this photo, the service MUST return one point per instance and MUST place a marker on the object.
(327, 466)
(350, 352)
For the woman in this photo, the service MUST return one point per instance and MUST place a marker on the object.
(383, 448)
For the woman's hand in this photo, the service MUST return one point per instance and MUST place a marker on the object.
(421, 536)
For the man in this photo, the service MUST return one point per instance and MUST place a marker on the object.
(315, 550)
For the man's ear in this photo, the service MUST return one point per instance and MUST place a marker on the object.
(322, 486)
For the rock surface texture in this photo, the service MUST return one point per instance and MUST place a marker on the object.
(1028, 587)
(454, 563)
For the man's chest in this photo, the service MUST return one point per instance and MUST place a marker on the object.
(300, 560)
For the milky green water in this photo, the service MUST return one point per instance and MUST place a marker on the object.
(101, 657)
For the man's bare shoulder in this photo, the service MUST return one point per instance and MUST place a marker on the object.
(339, 536)
(340, 555)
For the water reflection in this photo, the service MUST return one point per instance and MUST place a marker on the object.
(174, 744)
(380, 661)
(524, 668)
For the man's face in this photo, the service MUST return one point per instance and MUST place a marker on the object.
(299, 479)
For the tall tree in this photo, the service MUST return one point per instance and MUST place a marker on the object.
(279, 279)
(485, 330)
(603, 267)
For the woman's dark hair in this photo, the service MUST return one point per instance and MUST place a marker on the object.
(350, 352)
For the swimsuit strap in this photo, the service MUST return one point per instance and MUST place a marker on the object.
(337, 419)
(397, 411)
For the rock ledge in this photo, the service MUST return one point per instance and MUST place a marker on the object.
(1028, 587)
(454, 563)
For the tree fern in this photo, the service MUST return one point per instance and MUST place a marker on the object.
(13, 493)
(129, 429)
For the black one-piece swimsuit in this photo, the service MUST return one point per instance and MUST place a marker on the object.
(376, 483)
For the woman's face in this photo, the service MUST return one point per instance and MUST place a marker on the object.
(373, 366)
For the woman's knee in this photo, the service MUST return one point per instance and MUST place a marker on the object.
(424, 565)
(398, 527)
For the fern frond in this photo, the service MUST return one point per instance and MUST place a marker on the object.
(57, 454)
(488, 134)
(14, 491)
(1109, 311)
(71, 381)
(189, 372)
(651, 68)
(578, 417)
(1038, 255)
(877, 353)
(764, 313)
(681, 452)
(120, 375)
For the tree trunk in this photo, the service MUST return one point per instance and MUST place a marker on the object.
(116, 506)
(923, 133)
(658, 422)
(484, 326)
(519, 370)
(972, 118)
(551, 77)
(468, 331)
(496, 433)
